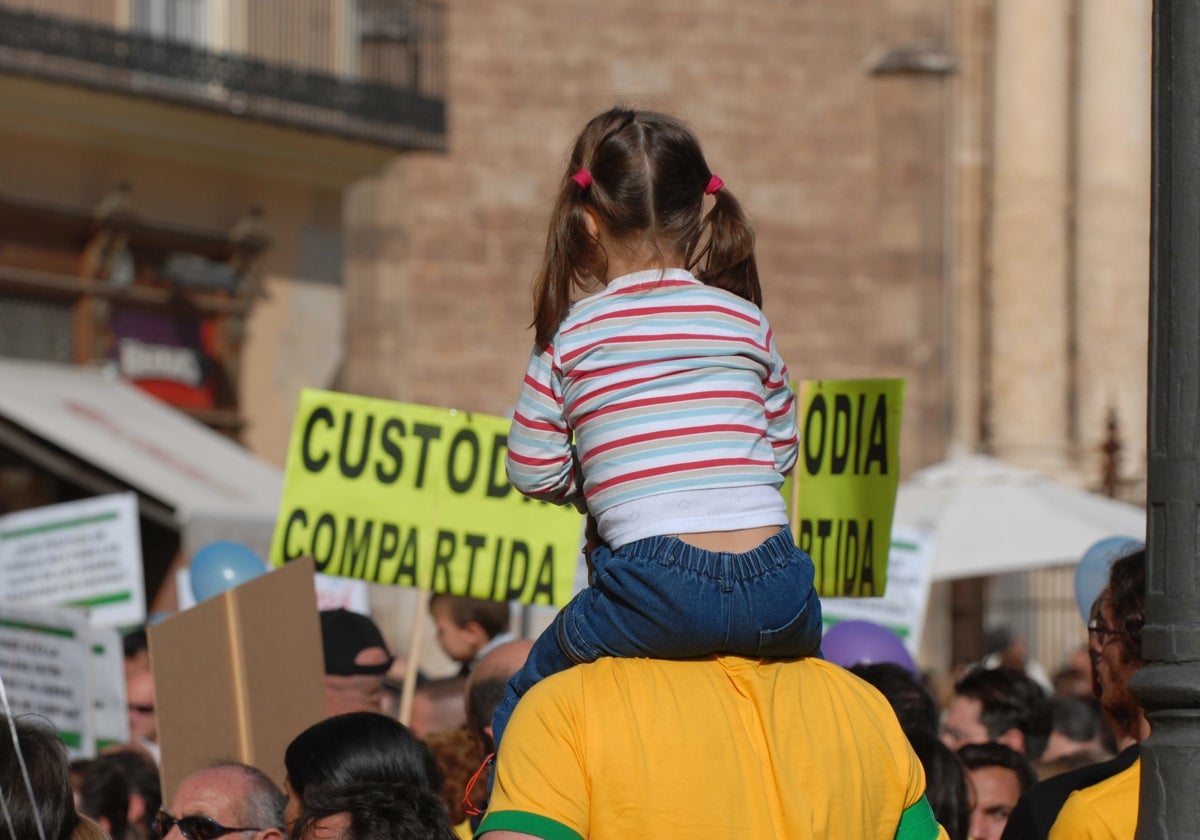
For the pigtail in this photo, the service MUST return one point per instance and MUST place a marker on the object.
(726, 259)
(644, 177)
(568, 259)
(572, 257)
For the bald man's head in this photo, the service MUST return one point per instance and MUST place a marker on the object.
(230, 794)
(501, 661)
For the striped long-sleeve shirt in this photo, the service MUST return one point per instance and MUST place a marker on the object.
(666, 386)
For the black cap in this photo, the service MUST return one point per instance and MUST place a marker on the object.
(345, 635)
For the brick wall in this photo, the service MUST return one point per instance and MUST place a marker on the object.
(840, 169)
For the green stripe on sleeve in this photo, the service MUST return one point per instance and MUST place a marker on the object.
(526, 823)
(918, 822)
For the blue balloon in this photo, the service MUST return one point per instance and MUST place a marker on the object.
(849, 643)
(1091, 575)
(223, 565)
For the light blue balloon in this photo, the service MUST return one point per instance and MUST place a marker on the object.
(223, 565)
(1091, 575)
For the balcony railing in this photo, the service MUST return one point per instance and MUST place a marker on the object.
(371, 70)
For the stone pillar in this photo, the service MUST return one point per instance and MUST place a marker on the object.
(1112, 226)
(1169, 686)
(970, 166)
(1029, 250)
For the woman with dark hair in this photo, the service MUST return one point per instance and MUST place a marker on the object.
(945, 783)
(41, 803)
(353, 748)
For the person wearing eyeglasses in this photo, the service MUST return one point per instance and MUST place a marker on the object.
(1110, 808)
(1114, 645)
(227, 799)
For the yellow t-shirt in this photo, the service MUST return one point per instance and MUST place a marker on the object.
(722, 747)
(1105, 811)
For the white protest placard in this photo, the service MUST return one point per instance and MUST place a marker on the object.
(44, 661)
(80, 554)
(902, 608)
(106, 675)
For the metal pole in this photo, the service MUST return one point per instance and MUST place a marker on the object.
(1169, 686)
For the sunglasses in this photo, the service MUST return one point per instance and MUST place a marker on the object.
(194, 827)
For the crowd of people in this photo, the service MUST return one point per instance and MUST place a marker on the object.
(682, 692)
(358, 774)
(613, 747)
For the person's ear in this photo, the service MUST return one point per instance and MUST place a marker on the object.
(477, 632)
(592, 223)
(137, 809)
(1014, 739)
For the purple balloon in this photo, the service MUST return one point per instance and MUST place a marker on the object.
(853, 642)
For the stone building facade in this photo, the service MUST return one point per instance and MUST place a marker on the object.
(951, 191)
(954, 192)
(840, 167)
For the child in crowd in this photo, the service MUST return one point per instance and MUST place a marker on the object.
(660, 405)
(467, 628)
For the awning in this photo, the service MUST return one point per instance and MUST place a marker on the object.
(116, 430)
(989, 518)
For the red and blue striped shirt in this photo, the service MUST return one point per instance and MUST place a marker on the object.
(658, 384)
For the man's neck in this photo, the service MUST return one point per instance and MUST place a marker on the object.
(1135, 733)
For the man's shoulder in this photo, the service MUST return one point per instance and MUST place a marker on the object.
(1042, 803)
(728, 664)
(1116, 784)
(760, 678)
(1108, 808)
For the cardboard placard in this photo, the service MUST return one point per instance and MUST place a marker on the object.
(239, 676)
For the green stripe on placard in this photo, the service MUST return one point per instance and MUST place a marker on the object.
(907, 546)
(71, 739)
(105, 743)
(902, 632)
(64, 632)
(98, 650)
(55, 526)
(101, 600)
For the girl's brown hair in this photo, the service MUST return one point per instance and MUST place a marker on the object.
(648, 180)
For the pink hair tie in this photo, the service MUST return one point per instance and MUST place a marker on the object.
(583, 178)
(714, 183)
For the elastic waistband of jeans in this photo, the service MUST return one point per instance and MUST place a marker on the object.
(773, 552)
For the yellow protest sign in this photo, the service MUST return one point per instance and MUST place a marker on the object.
(413, 495)
(844, 489)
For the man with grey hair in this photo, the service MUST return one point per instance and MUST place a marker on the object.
(224, 798)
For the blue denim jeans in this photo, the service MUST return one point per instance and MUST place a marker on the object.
(664, 599)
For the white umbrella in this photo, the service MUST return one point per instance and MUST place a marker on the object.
(989, 518)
